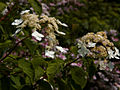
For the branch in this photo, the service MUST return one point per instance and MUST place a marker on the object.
(69, 63)
(10, 51)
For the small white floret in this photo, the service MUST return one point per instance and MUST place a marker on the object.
(23, 12)
(90, 44)
(49, 53)
(111, 54)
(38, 36)
(61, 49)
(17, 22)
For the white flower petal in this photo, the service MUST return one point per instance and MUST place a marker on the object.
(90, 44)
(17, 22)
(16, 32)
(114, 54)
(23, 12)
(117, 57)
(4, 12)
(63, 24)
(61, 49)
(102, 65)
(100, 36)
(110, 53)
(62, 33)
(49, 53)
(37, 35)
(117, 52)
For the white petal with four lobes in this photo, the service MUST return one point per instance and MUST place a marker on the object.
(49, 53)
(37, 35)
(23, 12)
(61, 49)
(17, 22)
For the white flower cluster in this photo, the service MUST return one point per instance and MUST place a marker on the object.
(34, 21)
(98, 45)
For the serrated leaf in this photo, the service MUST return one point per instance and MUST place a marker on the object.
(38, 73)
(37, 62)
(27, 69)
(79, 76)
(36, 6)
(53, 69)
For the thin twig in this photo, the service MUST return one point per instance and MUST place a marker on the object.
(69, 63)
(10, 51)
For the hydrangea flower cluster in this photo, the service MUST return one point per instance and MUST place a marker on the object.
(35, 22)
(98, 47)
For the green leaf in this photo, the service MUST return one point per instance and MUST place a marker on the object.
(79, 76)
(90, 66)
(16, 70)
(38, 73)
(44, 85)
(27, 80)
(38, 61)
(74, 49)
(17, 83)
(2, 6)
(54, 68)
(5, 44)
(3, 31)
(36, 6)
(30, 45)
(27, 68)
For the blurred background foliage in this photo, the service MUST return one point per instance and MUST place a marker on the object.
(87, 16)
